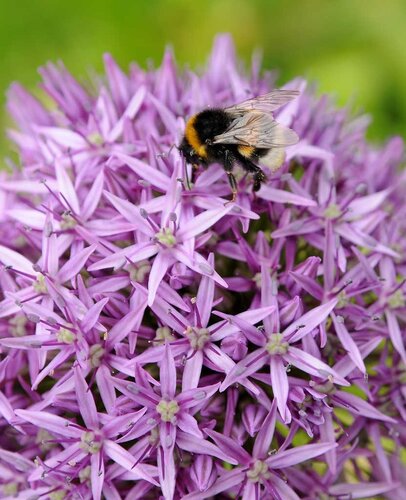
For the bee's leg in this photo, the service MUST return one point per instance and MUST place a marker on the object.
(228, 167)
(259, 177)
(257, 172)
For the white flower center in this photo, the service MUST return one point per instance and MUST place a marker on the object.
(139, 271)
(84, 474)
(17, 325)
(276, 344)
(332, 211)
(66, 336)
(96, 355)
(258, 472)
(166, 237)
(163, 334)
(39, 284)
(90, 443)
(57, 495)
(95, 138)
(198, 337)
(167, 410)
(67, 222)
(257, 279)
(343, 300)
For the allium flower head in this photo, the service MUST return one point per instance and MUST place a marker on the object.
(158, 341)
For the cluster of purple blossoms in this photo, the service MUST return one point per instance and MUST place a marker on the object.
(155, 341)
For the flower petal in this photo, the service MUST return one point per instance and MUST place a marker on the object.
(85, 400)
(298, 455)
(146, 172)
(309, 321)
(52, 423)
(126, 460)
(280, 386)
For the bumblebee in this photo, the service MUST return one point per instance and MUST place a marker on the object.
(243, 134)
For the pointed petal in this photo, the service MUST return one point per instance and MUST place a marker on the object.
(308, 284)
(280, 385)
(247, 366)
(132, 108)
(327, 435)
(192, 371)
(167, 374)
(395, 334)
(131, 321)
(93, 314)
(362, 490)
(205, 295)
(166, 460)
(358, 405)
(75, 264)
(191, 443)
(130, 212)
(284, 491)
(158, 270)
(230, 447)
(28, 342)
(298, 454)
(93, 197)
(194, 397)
(85, 400)
(309, 321)
(146, 172)
(52, 423)
(281, 196)
(225, 364)
(251, 316)
(264, 437)
(251, 332)
(66, 188)
(198, 264)
(312, 365)
(348, 343)
(97, 475)
(106, 388)
(63, 137)
(134, 253)
(202, 222)
(189, 425)
(366, 204)
(346, 365)
(14, 259)
(126, 460)
(226, 481)
(31, 218)
(21, 463)
(269, 293)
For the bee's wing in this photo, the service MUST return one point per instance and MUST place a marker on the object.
(265, 103)
(259, 130)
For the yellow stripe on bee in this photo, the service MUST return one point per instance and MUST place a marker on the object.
(246, 151)
(193, 138)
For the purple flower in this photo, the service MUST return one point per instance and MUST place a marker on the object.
(155, 341)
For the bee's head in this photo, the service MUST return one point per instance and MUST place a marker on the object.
(189, 153)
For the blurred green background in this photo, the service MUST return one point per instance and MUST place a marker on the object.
(352, 48)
